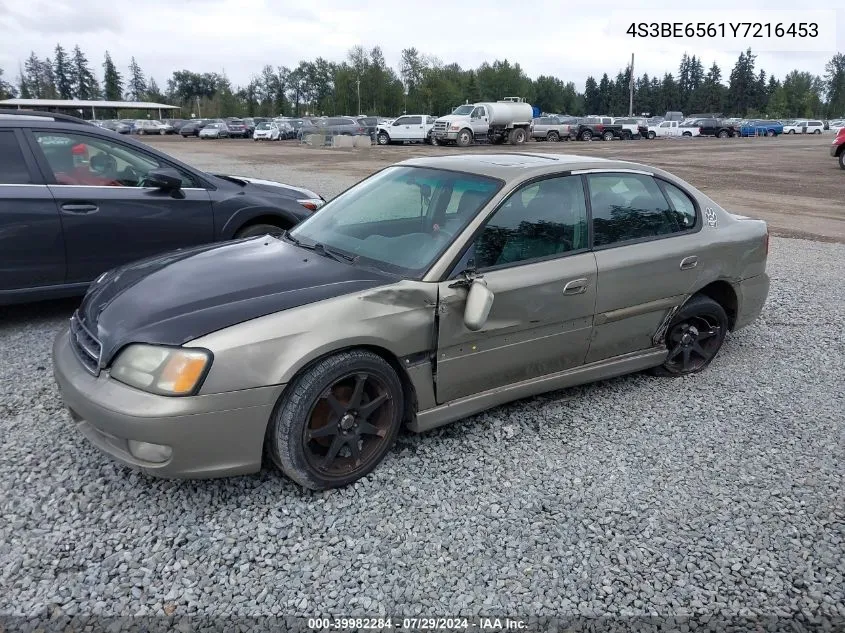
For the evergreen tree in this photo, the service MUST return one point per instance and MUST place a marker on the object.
(743, 85)
(136, 88)
(835, 85)
(153, 93)
(592, 98)
(85, 85)
(63, 73)
(713, 92)
(23, 86)
(112, 80)
(7, 91)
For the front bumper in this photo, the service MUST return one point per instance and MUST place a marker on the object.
(834, 150)
(213, 435)
(445, 135)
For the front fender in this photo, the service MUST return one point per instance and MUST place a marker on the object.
(270, 350)
(237, 218)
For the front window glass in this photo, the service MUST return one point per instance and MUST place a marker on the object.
(401, 219)
(78, 159)
(539, 220)
(463, 110)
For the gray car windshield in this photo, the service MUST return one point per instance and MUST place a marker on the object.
(400, 219)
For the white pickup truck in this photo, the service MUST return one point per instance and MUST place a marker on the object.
(669, 129)
(411, 128)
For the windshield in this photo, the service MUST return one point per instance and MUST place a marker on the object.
(400, 219)
(464, 109)
(264, 126)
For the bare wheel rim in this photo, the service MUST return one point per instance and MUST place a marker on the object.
(692, 343)
(348, 425)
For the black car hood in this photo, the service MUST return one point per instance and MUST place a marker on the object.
(176, 297)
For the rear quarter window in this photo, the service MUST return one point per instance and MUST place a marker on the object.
(13, 169)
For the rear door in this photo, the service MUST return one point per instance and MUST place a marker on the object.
(32, 248)
(534, 255)
(416, 129)
(108, 214)
(648, 254)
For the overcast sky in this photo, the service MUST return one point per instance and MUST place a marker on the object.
(569, 40)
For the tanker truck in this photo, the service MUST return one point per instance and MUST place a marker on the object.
(497, 122)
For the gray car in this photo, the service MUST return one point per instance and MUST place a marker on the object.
(430, 291)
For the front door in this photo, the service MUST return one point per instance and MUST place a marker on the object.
(479, 121)
(108, 215)
(32, 249)
(400, 130)
(648, 254)
(534, 255)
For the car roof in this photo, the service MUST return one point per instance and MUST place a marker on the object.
(516, 166)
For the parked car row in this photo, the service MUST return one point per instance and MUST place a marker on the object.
(313, 345)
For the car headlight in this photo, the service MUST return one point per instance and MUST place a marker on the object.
(167, 371)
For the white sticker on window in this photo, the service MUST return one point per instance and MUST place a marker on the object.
(710, 216)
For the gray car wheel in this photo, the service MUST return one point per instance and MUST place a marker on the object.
(336, 421)
(553, 137)
(694, 337)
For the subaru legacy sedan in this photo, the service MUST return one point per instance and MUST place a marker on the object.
(430, 291)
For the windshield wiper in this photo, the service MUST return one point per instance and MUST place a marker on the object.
(321, 249)
(338, 257)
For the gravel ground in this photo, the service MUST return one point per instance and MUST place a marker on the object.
(719, 494)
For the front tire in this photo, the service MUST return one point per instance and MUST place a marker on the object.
(586, 135)
(694, 337)
(652, 135)
(383, 138)
(335, 422)
(464, 138)
(842, 159)
(723, 134)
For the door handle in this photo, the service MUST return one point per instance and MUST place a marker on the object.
(576, 287)
(689, 262)
(79, 207)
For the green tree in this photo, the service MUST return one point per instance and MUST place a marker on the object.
(592, 97)
(136, 87)
(743, 86)
(834, 84)
(85, 84)
(63, 73)
(7, 90)
(112, 80)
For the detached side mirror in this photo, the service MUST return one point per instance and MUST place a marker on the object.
(478, 305)
(165, 178)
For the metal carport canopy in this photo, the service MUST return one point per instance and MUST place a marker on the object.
(82, 104)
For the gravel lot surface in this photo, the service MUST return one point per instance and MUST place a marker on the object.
(720, 493)
(717, 494)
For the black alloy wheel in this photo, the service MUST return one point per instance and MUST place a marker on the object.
(337, 420)
(694, 337)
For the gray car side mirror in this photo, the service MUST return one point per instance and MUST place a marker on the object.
(478, 305)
